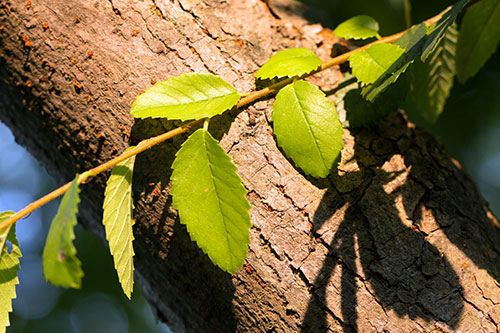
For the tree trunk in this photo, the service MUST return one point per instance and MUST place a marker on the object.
(397, 239)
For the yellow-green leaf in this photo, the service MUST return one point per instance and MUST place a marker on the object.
(61, 267)
(357, 27)
(307, 127)
(188, 96)
(210, 199)
(291, 62)
(117, 219)
(9, 265)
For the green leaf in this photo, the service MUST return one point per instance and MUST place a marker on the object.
(117, 219)
(188, 96)
(210, 199)
(432, 80)
(440, 27)
(9, 265)
(411, 42)
(292, 62)
(376, 61)
(479, 37)
(61, 267)
(357, 27)
(307, 128)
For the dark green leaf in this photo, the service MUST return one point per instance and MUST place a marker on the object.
(210, 198)
(188, 96)
(292, 62)
(117, 219)
(376, 61)
(307, 128)
(9, 265)
(479, 37)
(61, 267)
(440, 27)
(358, 27)
(432, 80)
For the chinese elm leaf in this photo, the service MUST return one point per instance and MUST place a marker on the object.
(376, 61)
(117, 219)
(479, 37)
(9, 265)
(438, 29)
(358, 27)
(411, 42)
(210, 198)
(61, 267)
(188, 96)
(307, 128)
(292, 62)
(432, 80)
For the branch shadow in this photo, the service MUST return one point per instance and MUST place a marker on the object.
(176, 269)
(377, 249)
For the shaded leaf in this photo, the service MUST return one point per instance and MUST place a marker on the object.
(411, 42)
(439, 28)
(357, 27)
(61, 267)
(292, 62)
(188, 96)
(307, 128)
(432, 80)
(9, 265)
(357, 111)
(376, 61)
(117, 219)
(210, 199)
(479, 37)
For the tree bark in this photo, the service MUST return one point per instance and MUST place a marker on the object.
(397, 239)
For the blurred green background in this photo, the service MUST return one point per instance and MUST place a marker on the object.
(469, 127)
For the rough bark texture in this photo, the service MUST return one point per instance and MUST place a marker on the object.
(397, 239)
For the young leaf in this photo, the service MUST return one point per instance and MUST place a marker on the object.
(440, 27)
(357, 27)
(188, 96)
(292, 62)
(61, 267)
(210, 199)
(432, 80)
(479, 37)
(9, 265)
(411, 42)
(117, 219)
(307, 128)
(376, 61)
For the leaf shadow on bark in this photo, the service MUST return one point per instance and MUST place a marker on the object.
(176, 268)
(376, 250)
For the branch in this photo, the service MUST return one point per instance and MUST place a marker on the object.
(148, 143)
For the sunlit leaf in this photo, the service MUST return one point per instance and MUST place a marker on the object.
(210, 199)
(358, 27)
(411, 42)
(117, 219)
(376, 61)
(61, 267)
(188, 96)
(9, 265)
(432, 80)
(479, 37)
(307, 128)
(292, 62)
(437, 31)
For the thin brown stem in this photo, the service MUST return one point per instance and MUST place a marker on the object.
(148, 143)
